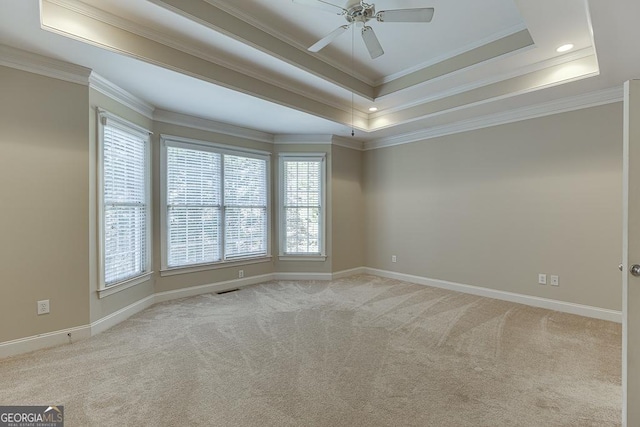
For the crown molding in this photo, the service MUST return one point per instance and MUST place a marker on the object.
(587, 100)
(42, 65)
(302, 139)
(495, 78)
(183, 45)
(120, 95)
(193, 122)
(350, 143)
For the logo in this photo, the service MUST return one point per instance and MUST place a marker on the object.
(31, 416)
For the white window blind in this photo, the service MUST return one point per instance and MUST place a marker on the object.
(302, 208)
(245, 202)
(193, 206)
(125, 204)
(216, 204)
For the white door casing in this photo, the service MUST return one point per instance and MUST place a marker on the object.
(631, 256)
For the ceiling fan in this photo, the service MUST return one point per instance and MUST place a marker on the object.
(359, 13)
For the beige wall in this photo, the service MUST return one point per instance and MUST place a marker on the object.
(495, 207)
(44, 218)
(491, 208)
(101, 307)
(347, 209)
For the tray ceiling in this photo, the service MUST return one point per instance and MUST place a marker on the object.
(246, 64)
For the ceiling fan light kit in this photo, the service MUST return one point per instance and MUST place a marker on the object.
(359, 14)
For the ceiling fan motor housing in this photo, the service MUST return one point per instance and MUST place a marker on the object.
(360, 13)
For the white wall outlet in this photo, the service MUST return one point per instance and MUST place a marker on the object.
(393, 258)
(555, 280)
(240, 274)
(542, 279)
(43, 307)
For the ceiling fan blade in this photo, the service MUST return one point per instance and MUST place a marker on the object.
(324, 5)
(328, 38)
(406, 15)
(372, 43)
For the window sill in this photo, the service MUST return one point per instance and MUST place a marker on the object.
(105, 292)
(172, 271)
(316, 258)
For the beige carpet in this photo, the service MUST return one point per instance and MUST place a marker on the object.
(361, 351)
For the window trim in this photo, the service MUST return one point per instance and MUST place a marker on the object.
(304, 157)
(195, 268)
(106, 118)
(223, 149)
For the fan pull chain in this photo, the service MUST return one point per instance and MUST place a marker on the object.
(353, 133)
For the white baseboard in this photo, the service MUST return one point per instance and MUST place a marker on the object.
(213, 287)
(121, 315)
(56, 338)
(52, 339)
(319, 276)
(247, 281)
(346, 273)
(38, 342)
(302, 276)
(565, 307)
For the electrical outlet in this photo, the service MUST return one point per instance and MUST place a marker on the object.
(555, 280)
(542, 279)
(393, 258)
(43, 307)
(240, 274)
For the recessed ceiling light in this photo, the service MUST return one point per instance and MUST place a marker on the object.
(565, 48)
(373, 109)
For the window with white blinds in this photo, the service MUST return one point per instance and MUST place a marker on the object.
(302, 210)
(193, 206)
(245, 203)
(125, 209)
(216, 204)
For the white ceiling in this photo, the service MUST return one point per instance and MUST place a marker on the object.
(244, 62)
(407, 45)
